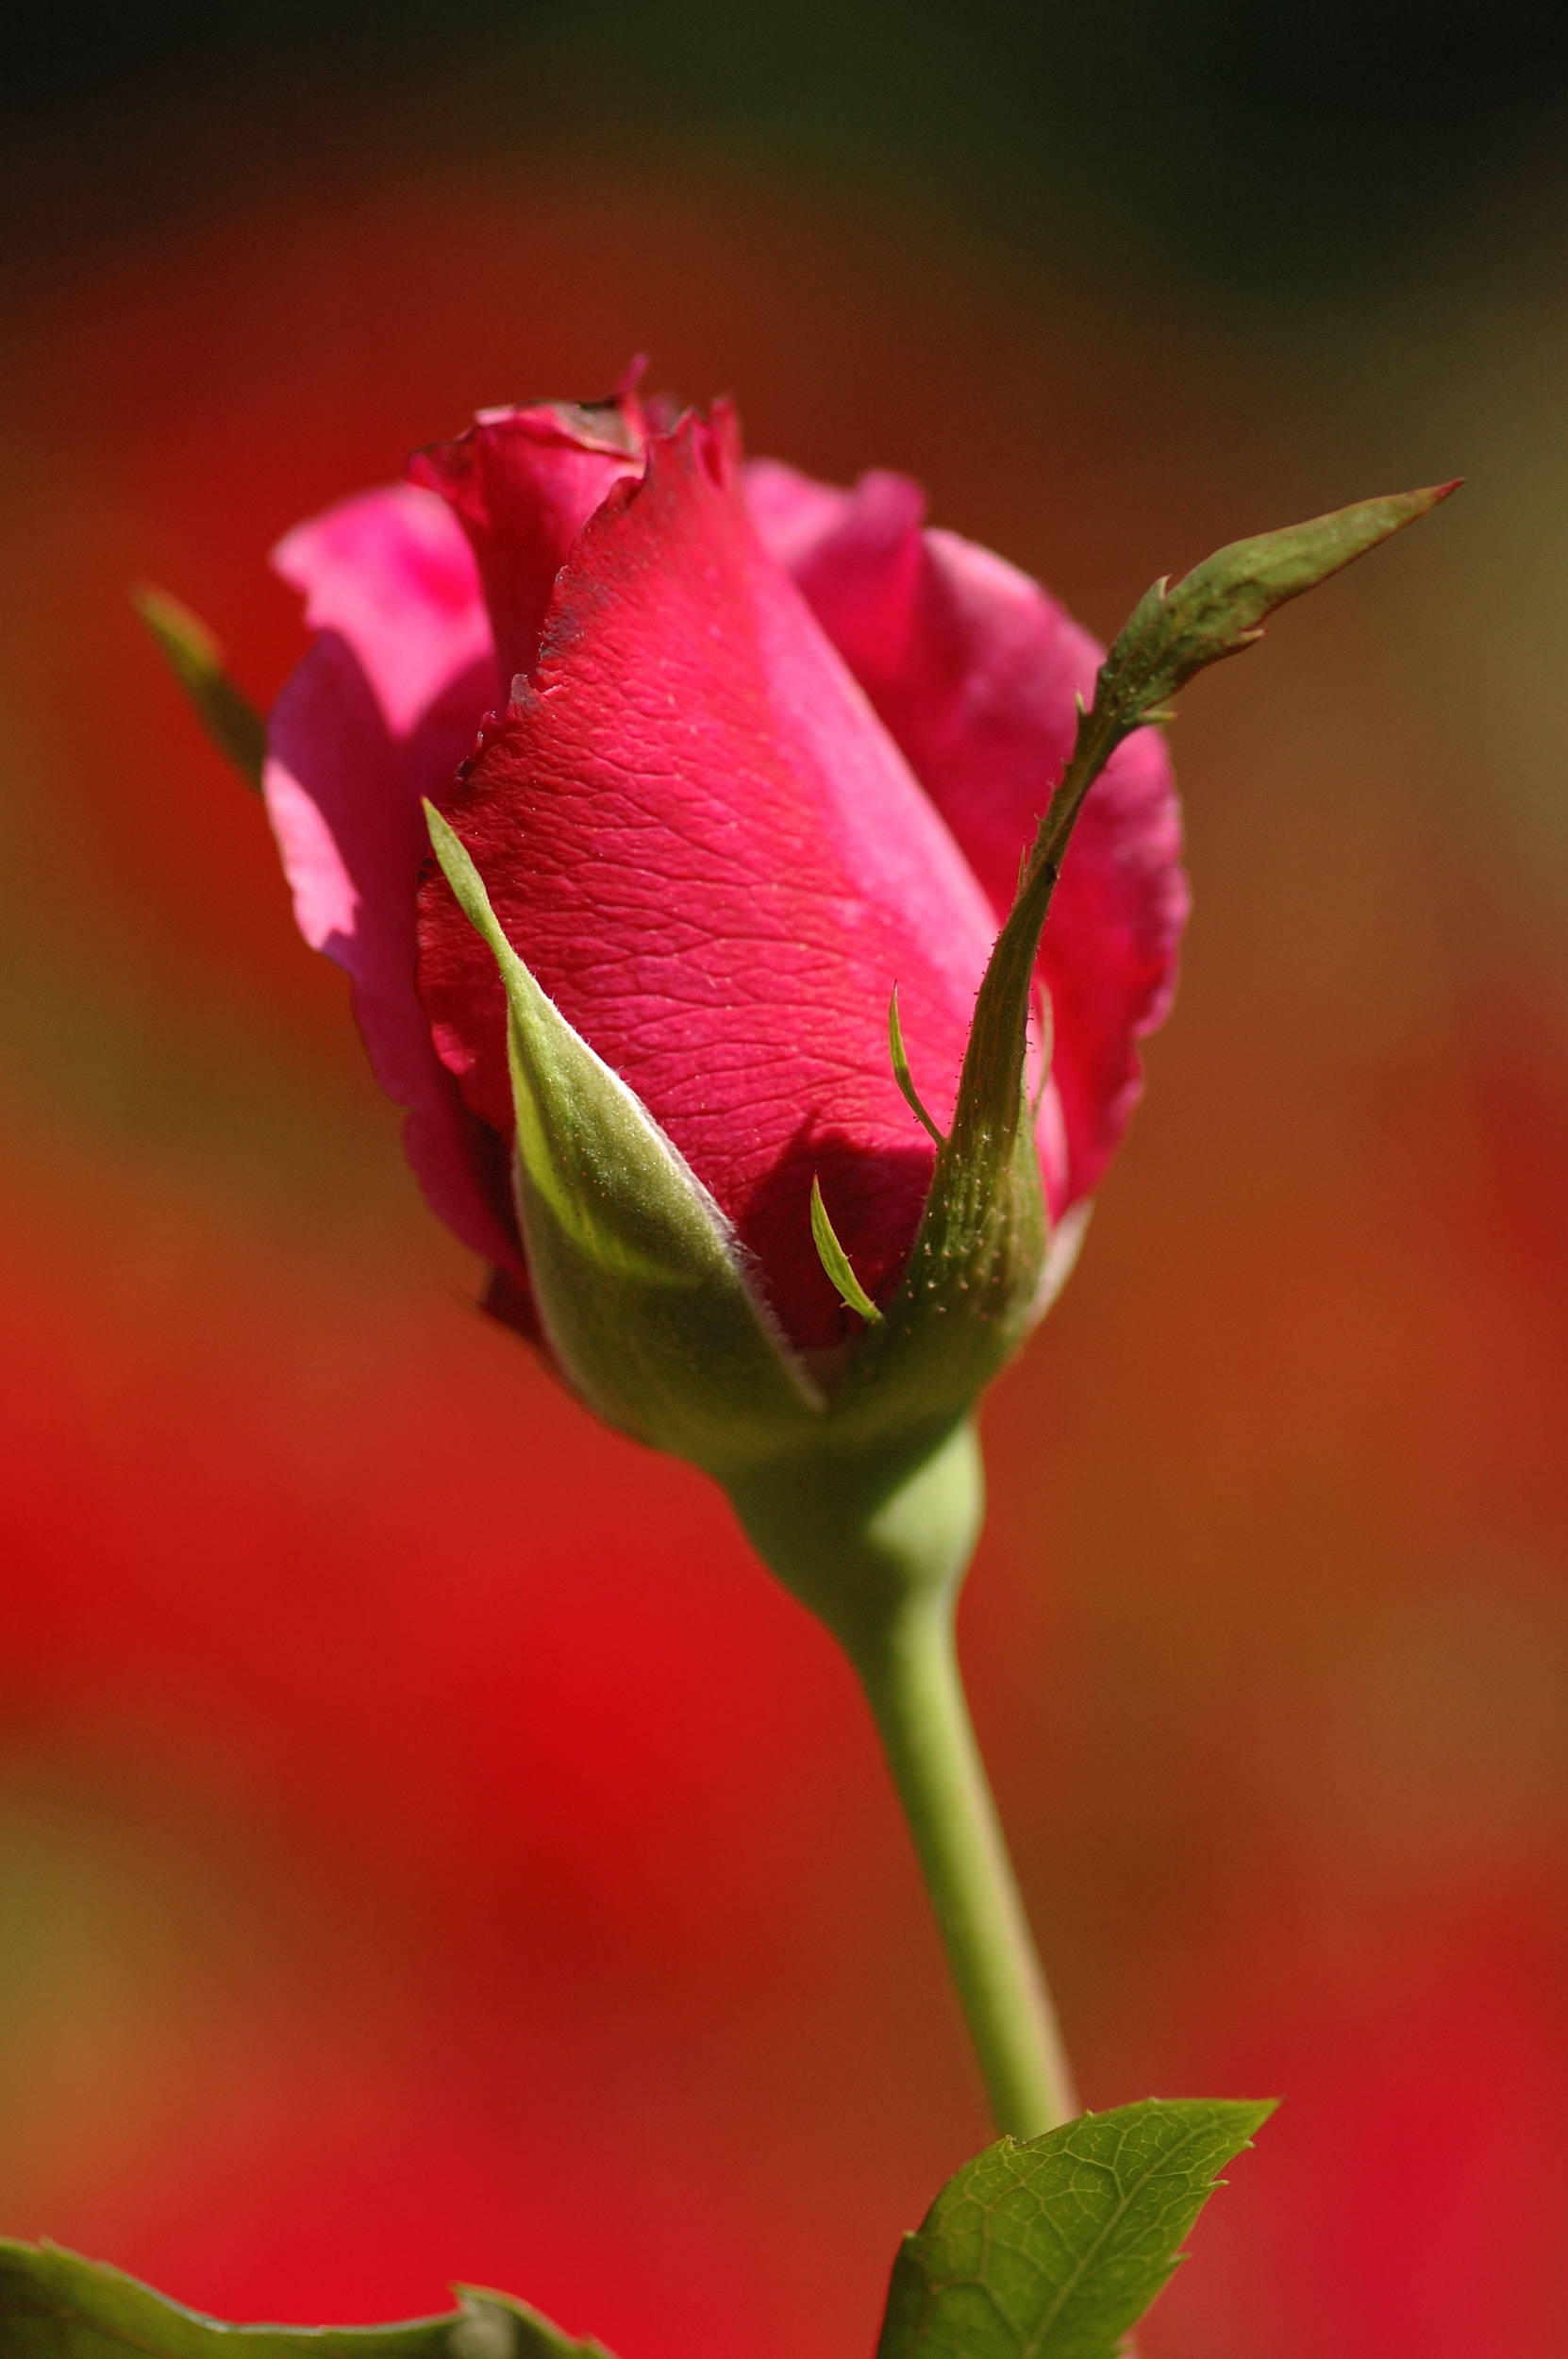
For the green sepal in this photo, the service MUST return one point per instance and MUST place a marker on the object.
(836, 1264)
(1056, 2248)
(1220, 608)
(979, 1273)
(196, 660)
(898, 1055)
(642, 1287)
(55, 2305)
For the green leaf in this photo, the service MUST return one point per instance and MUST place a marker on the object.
(644, 1288)
(977, 1279)
(196, 660)
(54, 2305)
(1055, 2249)
(836, 1262)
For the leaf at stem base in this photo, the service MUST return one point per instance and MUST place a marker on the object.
(1055, 2249)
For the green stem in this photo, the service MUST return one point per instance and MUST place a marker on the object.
(911, 1679)
(875, 1545)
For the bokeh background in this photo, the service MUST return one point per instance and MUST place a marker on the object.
(429, 1848)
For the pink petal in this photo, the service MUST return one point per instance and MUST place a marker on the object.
(711, 854)
(973, 669)
(522, 483)
(381, 712)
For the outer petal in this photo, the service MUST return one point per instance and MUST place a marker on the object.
(381, 712)
(711, 854)
(522, 483)
(975, 669)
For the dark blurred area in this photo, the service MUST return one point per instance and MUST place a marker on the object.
(429, 1849)
(1252, 142)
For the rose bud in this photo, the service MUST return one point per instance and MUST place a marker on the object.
(758, 764)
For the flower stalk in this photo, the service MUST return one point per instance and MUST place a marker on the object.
(879, 1554)
(915, 1690)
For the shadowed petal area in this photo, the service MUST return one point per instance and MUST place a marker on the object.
(379, 713)
(973, 669)
(522, 483)
(696, 833)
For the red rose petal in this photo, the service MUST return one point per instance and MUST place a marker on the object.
(974, 669)
(379, 713)
(711, 854)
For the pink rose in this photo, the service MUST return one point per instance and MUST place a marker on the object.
(751, 752)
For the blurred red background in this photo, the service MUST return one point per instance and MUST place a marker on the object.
(431, 1848)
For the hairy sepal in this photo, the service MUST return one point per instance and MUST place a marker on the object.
(979, 1274)
(642, 1288)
